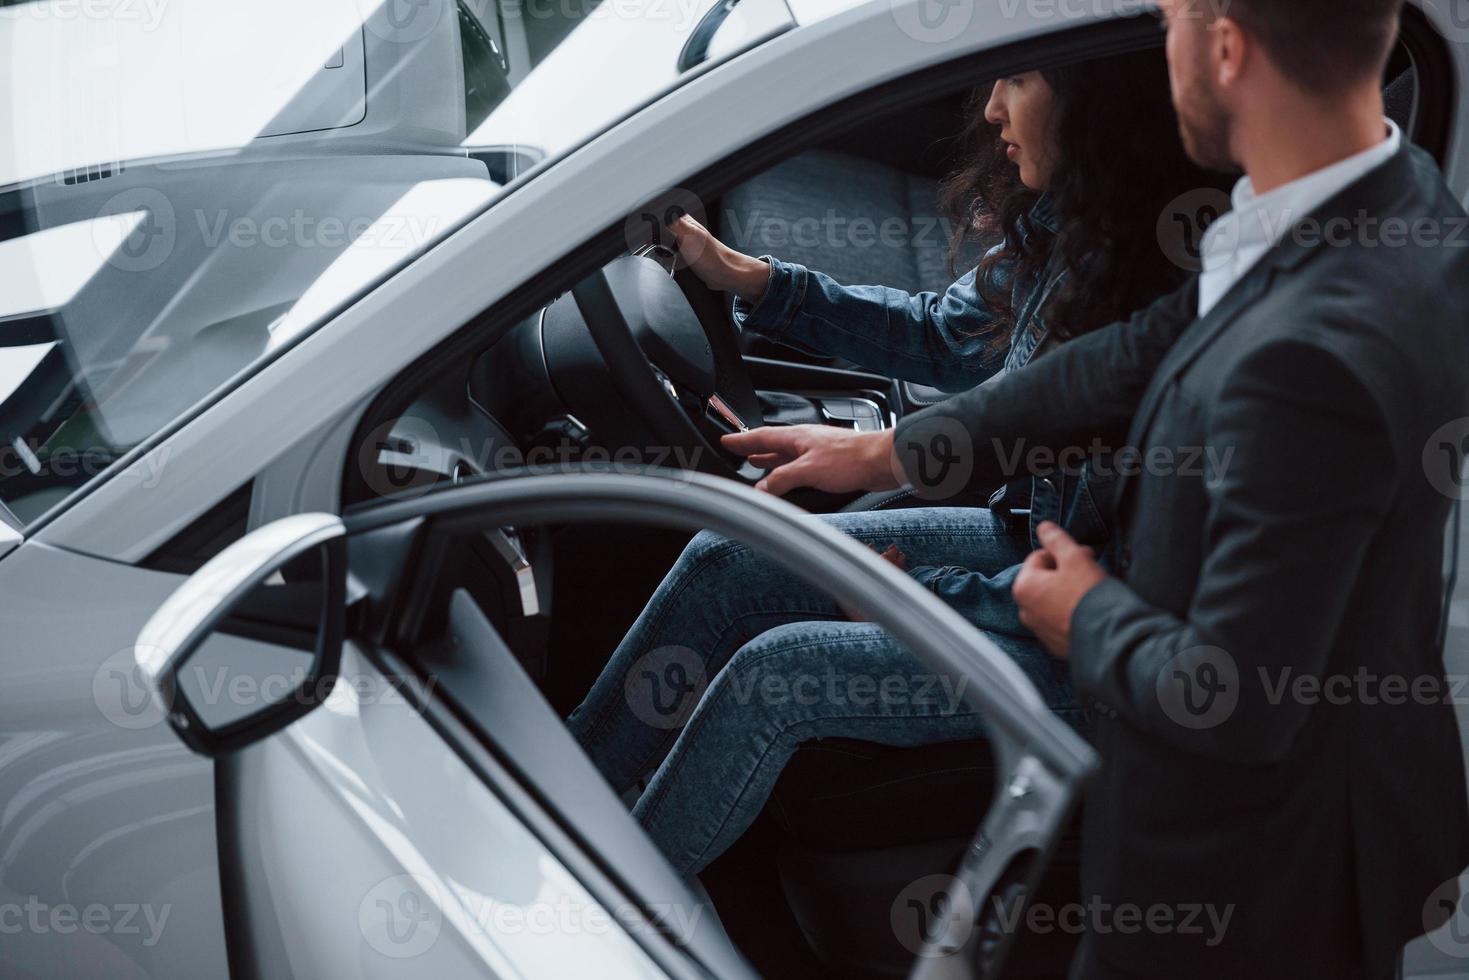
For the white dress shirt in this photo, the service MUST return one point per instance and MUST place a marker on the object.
(1239, 239)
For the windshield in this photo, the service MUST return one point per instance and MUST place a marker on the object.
(189, 186)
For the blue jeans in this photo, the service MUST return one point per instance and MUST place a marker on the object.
(736, 661)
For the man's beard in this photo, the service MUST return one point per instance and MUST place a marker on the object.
(1204, 125)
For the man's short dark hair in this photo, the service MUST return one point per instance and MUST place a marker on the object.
(1321, 45)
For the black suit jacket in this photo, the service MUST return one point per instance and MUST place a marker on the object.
(1308, 545)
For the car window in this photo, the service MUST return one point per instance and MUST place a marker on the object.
(189, 187)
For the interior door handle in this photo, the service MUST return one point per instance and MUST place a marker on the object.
(506, 543)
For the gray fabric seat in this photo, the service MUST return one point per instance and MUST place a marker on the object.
(860, 222)
(1401, 97)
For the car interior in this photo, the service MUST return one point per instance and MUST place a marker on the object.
(621, 349)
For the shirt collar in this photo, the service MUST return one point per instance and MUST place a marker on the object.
(1264, 219)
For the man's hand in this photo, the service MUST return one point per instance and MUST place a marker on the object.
(821, 456)
(1052, 583)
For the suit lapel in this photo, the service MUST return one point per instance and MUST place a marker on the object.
(1246, 293)
(1382, 191)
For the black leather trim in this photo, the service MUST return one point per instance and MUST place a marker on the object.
(924, 395)
(880, 500)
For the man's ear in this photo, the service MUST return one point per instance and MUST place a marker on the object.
(1230, 49)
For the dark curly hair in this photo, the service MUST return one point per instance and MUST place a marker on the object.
(1120, 161)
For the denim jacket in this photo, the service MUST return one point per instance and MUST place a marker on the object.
(936, 340)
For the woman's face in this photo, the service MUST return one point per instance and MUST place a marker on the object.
(1021, 105)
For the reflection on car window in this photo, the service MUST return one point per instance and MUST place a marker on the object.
(190, 187)
(485, 69)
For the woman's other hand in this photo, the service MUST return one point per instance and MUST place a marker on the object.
(719, 266)
(893, 557)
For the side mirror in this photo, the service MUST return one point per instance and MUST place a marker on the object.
(252, 641)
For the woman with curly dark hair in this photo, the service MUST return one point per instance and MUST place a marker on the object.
(735, 661)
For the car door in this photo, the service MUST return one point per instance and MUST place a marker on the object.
(430, 814)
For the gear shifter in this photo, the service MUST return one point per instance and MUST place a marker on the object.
(783, 408)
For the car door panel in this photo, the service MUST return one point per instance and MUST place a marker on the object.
(479, 676)
(362, 844)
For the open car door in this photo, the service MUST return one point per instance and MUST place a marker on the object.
(434, 817)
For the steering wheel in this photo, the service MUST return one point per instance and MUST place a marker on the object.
(672, 354)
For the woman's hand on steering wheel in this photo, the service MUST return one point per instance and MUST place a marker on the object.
(716, 264)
